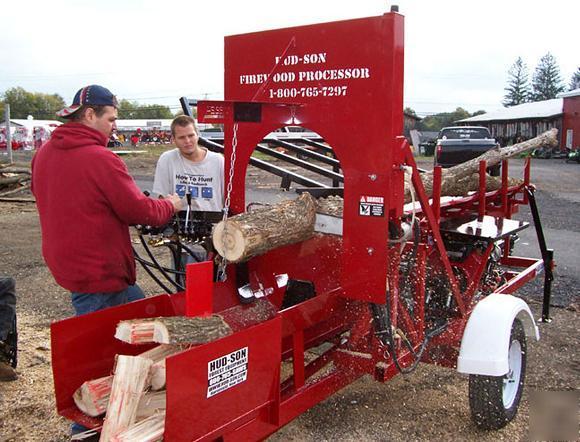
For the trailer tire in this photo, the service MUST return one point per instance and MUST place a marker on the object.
(494, 400)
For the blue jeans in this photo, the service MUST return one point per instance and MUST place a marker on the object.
(91, 302)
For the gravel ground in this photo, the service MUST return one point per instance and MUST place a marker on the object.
(429, 404)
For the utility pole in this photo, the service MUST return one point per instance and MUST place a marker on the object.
(8, 134)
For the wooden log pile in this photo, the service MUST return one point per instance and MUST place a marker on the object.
(133, 398)
(250, 234)
(14, 178)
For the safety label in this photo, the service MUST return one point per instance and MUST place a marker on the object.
(371, 206)
(227, 371)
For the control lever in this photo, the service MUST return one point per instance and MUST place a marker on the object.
(188, 197)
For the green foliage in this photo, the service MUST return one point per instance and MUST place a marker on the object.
(547, 82)
(130, 110)
(436, 122)
(23, 103)
(575, 81)
(518, 90)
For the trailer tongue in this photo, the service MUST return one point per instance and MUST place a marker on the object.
(378, 292)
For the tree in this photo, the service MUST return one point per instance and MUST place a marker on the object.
(575, 81)
(131, 110)
(547, 82)
(435, 122)
(23, 103)
(518, 90)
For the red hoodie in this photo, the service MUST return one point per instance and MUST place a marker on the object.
(86, 200)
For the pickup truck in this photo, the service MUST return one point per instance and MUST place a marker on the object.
(458, 144)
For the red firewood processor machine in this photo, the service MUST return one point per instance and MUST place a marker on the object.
(430, 283)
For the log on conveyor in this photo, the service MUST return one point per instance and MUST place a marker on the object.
(173, 330)
(253, 233)
(493, 157)
(92, 397)
(461, 179)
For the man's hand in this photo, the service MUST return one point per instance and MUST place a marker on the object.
(176, 201)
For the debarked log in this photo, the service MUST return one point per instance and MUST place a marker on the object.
(253, 233)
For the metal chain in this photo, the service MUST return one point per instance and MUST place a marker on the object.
(221, 270)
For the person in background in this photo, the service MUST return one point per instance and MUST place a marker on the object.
(190, 168)
(194, 170)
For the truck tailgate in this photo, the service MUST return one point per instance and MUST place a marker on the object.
(453, 152)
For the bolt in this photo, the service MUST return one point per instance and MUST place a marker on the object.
(370, 250)
(373, 177)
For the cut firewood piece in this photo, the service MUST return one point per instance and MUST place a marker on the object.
(93, 396)
(253, 233)
(147, 430)
(131, 373)
(151, 403)
(158, 375)
(173, 330)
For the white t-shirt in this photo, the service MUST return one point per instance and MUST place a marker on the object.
(204, 179)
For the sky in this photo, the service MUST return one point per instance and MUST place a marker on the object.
(457, 53)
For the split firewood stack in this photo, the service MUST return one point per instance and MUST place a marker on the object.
(14, 178)
(250, 234)
(133, 398)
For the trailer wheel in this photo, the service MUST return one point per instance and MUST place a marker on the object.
(494, 400)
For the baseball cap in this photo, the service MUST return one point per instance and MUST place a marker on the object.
(89, 95)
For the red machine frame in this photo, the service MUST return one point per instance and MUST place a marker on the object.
(298, 76)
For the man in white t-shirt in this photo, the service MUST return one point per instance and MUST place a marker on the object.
(190, 169)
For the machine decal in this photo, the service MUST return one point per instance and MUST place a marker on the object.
(371, 206)
(291, 76)
(227, 371)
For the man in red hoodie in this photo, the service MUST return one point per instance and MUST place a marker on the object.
(87, 200)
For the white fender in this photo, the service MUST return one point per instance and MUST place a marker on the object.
(486, 339)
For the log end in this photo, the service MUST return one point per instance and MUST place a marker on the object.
(229, 240)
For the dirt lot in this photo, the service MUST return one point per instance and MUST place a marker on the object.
(429, 404)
